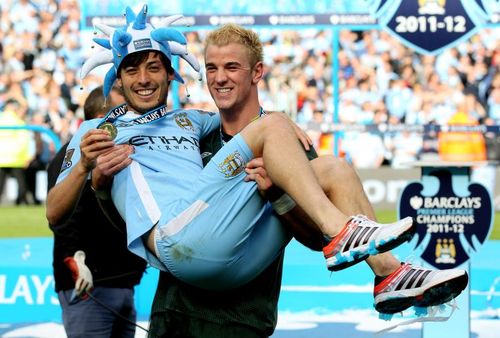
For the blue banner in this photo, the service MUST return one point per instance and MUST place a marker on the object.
(27, 284)
(200, 7)
(453, 216)
(431, 26)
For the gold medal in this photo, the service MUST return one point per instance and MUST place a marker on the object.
(110, 128)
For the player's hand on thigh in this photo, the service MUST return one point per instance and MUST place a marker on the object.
(303, 137)
(256, 171)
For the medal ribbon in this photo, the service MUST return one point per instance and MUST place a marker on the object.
(113, 114)
(150, 116)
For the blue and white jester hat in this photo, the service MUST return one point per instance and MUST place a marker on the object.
(137, 36)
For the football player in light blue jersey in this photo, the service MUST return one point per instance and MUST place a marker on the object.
(208, 227)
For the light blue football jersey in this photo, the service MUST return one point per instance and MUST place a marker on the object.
(213, 229)
(169, 147)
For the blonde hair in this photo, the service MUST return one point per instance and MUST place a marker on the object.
(232, 33)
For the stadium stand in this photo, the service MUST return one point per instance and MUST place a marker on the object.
(380, 80)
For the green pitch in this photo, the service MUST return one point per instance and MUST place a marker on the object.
(23, 221)
(30, 221)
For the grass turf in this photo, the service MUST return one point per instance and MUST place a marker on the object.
(30, 221)
(23, 221)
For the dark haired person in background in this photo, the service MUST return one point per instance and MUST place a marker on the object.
(85, 262)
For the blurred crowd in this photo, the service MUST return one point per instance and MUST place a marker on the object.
(40, 54)
(384, 82)
(380, 81)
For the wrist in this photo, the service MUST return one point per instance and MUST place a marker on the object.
(82, 169)
(283, 204)
(85, 164)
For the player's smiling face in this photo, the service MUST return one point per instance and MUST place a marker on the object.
(229, 75)
(145, 86)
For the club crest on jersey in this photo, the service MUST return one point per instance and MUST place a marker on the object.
(67, 162)
(232, 165)
(183, 121)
